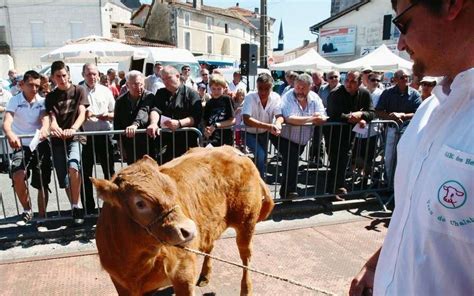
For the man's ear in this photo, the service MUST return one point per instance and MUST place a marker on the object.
(453, 8)
(107, 191)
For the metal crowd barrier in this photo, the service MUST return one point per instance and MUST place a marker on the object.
(292, 170)
(333, 150)
(115, 146)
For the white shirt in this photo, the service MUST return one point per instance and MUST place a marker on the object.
(190, 83)
(375, 95)
(291, 107)
(5, 96)
(253, 107)
(153, 83)
(26, 116)
(429, 248)
(101, 101)
(234, 87)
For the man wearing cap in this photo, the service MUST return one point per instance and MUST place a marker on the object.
(427, 84)
(397, 103)
(153, 82)
(366, 70)
(429, 246)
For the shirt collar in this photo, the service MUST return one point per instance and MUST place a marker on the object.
(35, 99)
(461, 83)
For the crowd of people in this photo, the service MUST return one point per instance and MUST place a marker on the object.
(170, 99)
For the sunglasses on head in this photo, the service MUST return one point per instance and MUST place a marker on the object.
(397, 21)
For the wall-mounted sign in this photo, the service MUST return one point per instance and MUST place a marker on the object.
(337, 41)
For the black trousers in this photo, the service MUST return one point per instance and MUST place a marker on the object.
(290, 152)
(133, 149)
(338, 144)
(171, 145)
(101, 146)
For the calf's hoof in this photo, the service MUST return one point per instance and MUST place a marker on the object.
(202, 281)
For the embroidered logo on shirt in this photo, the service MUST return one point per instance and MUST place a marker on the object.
(452, 195)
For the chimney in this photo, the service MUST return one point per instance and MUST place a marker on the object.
(305, 43)
(197, 4)
(256, 10)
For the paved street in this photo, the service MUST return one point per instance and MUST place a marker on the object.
(321, 250)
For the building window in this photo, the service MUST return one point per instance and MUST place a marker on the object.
(387, 27)
(226, 28)
(187, 19)
(3, 34)
(76, 30)
(187, 40)
(226, 47)
(209, 44)
(209, 23)
(37, 34)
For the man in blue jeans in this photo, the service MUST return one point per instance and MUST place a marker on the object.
(262, 114)
(66, 106)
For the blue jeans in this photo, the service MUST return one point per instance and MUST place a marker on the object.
(65, 156)
(258, 145)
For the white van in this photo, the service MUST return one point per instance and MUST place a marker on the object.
(176, 57)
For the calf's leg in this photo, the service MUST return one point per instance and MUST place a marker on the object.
(205, 275)
(244, 243)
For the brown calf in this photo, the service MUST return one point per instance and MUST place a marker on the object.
(190, 201)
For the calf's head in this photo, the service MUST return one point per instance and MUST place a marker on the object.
(149, 198)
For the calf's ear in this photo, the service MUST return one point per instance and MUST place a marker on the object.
(107, 191)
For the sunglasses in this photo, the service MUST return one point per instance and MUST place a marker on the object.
(333, 77)
(375, 80)
(427, 84)
(186, 69)
(397, 21)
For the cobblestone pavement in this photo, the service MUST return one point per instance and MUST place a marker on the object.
(323, 251)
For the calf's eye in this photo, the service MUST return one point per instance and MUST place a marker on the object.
(140, 204)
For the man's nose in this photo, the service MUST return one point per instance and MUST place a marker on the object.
(401, 45)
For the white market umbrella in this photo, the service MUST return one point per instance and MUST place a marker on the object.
(94, 49)
(311, 60)
(381, 59)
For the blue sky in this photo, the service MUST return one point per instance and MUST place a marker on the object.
(297, 16)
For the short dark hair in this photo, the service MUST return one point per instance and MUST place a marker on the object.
(111, 70)
(435, 6)
(31, 74)
(57, 66)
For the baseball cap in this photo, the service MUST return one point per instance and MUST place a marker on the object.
(367, 68)
(428, 79)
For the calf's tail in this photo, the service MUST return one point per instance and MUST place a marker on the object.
(267, 202)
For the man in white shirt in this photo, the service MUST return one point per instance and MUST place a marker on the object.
(186, 78)
(262, 115)
(153, 82)
(99, 115)
(26, 113)
(236, 83)
(300, 106)
(429, 248)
